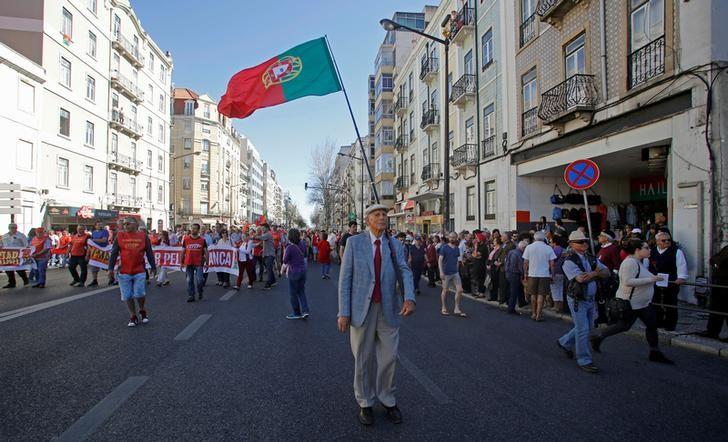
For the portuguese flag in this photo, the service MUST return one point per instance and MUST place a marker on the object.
(306, 69)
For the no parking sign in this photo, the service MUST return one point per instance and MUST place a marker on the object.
(581, 174)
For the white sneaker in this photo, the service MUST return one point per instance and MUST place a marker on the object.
(145, 320)
(132, 322)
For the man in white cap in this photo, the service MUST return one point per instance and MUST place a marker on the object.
(371, 309)
(538, 271)
(582, 270)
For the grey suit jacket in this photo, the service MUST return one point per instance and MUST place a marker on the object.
(356, 280)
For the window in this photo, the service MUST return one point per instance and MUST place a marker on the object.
(204, 186)
(67, 24)
(528, 8)
(574, 58)
(88, 179)
(186, 183)
(117, 25)
(90, 88)
(451, 140)
(412, 126)
(488, 121)
(150, 125)
(62, 170)
(161, 102)
(150, 61)
(388, 136)
(470, 130)
(412, 169)
(189, 107)
(114, 100)
(489, 190)
(187, 143)
(65, 123)
(133, 151)
(385, 84)
(205, 145)
(411, 83)
(207, 110)
(160, 163)
(647, 21)
(470, 203)
(160, 193)
(150, 93)
(186, 163)
(203, 208)
(162, 73)
(149, 191)
(114, 145)
(435, 154)
(468, 63)
(487, 48)
(160, 137)
(89, 134)
(24, 155)
(91, 44)
(26, 97)
(92, 5)
(113, 183)
(449, 84)
(65, 73)
(132, 186)
(205, 167)
(528, 85)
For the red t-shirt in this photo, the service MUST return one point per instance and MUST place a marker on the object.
(276, 239)
(154, 239)
(324, 252)
(132, 248)
(78, 244)
(194, 250)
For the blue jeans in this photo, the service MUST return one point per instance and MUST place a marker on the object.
(515, 290)
(577, 338)
(42, 267)
(325, 268)
(297, 292)
(417, 274)
(195, 278)
(269, 263)
(132, 286)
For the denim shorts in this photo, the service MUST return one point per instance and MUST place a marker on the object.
(132, 286)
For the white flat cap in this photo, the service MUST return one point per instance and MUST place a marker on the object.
(375, 207)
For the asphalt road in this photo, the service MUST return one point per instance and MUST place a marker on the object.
(246, 373)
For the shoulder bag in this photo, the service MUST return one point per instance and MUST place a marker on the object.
(619, 309)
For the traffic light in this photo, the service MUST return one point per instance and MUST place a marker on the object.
(305, 186)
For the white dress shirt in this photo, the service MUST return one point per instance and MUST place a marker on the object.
(373, 238)
(680, 262)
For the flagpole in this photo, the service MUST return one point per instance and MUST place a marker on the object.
(353, 120)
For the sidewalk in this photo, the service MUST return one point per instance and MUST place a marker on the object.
(689, 323)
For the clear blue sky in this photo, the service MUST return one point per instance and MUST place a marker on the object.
(212, 40)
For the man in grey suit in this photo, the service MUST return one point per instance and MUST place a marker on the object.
(371, 309)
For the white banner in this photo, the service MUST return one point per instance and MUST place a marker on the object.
(222, 259)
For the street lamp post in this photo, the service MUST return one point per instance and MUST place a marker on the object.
(174, 183)
(361, 182)
(390, 25)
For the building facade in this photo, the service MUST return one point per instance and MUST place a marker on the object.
(256, 183)
(106, 110)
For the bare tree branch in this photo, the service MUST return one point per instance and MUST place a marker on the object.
(321, 172)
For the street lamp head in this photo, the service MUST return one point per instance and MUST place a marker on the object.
(389, 25)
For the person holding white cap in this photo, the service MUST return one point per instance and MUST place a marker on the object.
(371, 309)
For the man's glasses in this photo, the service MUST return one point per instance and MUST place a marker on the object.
(664, 240)
(581, 241)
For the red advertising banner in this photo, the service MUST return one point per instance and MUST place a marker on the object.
(168, 257)
(15, 258)
(222, 259)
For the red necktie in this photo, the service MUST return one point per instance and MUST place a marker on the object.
(377, 293)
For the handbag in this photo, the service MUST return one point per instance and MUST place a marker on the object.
(557, 198)
(619, 309)
(593, 199)
(573, 197)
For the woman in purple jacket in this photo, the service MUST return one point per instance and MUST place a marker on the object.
(294, 265)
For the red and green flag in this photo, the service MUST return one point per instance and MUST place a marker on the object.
(306, 69)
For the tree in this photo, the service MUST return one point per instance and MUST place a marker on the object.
(321, 174)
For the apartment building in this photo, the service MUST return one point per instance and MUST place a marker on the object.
(105, 115)
(206, 161)
(256, 183)
(624, 84)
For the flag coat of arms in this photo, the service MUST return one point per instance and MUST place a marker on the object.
(306, 69)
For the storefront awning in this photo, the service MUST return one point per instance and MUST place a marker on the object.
(410, 205)
(428, 195)
(393, 214)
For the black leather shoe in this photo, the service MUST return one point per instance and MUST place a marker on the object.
(569, 354)
(596, 343)
(394, 414)
(657, 356)
(590, 368)
(366, 417)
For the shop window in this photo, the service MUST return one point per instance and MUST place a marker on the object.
(490, 199)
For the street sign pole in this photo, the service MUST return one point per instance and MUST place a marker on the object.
(588, 222)
(582, 175)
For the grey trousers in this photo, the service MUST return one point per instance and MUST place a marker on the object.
(374, 378)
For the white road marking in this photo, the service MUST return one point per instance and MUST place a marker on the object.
(6, 316)
(191, 329)
(228, 295)
(425, 381)
(89, 422)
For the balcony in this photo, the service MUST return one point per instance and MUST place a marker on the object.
(529, 122)
(125, 125)
(430, 173)
(401, 142)
(124, 164)
(488, 147)
(400, 106)
(116, 200)
(465, 156)
(129, 50)
(429, 68)
(573, 98)
(402, 183)
(646, 62)
(463, 89)
(528, 29)
(126, 87)
(205, 172)
(430, 120)
(553, 11)
(463, 26)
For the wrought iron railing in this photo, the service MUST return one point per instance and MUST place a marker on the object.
(402, 182)
(647, 62)
(464, 85)
(429, 65)
(465, 17)
(124, 200)
(529, 121)
(430, 172)
(430, 117)
(401, 104)
(125, 83)
(119, 118)
(129, 48)
(488, 147)
(578, 92)
(124, 161)
(465, 155)
(528, 29)
(401, 142)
